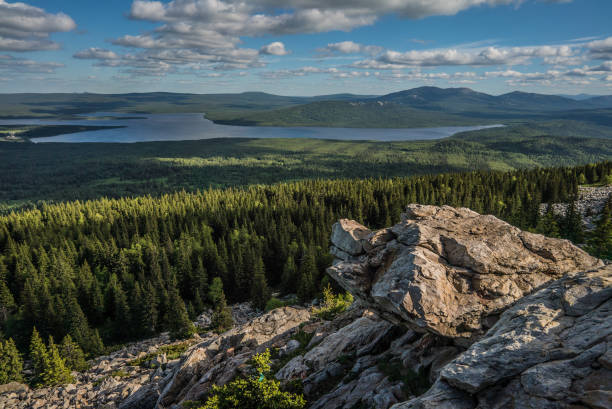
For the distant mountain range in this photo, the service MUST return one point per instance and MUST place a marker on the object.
(465, 100)
(428, 106)
(579, 97)
(418, 107)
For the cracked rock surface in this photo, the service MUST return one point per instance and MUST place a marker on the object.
(552, 349)
(448, 271)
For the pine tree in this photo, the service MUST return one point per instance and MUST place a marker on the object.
(222, 316)
(572, 226)
(96, 346)
(117, 309)
(7, 303)
(215, 293)
(308, 272)
(39, 357)
(11, 364)
(547, 224)
(144, 310)
(73, 354)
(179, 324)
(289, 276)
(260, 293)
(56, 372)
(599, 242)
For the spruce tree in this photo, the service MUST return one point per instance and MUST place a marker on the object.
(11, 364)
(179, 324)
(96, 346)
(73, 354)
(39, 357)
(144, 310)
(308, 272)
(289, 276)
(215, 293)
(222, 315)
(260, 293)
(547, 224)
(7, 302)
(56, 372)
(599, 242)
(572, 226)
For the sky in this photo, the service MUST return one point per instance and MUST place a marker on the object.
(305, 47)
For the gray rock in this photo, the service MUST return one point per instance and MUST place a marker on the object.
(217, 361)
(349, 236)
(543, 352)
(289, 348)
(13, 387)
(144, 398)
(448, 270)
(346, 341)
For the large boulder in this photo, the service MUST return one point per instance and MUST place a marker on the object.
(552, 349)
(448, 271)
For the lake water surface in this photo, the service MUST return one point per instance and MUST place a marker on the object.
(178, 127)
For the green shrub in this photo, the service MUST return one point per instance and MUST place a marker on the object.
(333, 304)
(119, 374)
(274, 303)
(254, 392)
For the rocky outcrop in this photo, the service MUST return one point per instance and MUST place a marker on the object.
(552, 349)
(589, 204)
(448, 271)
(220, 359)
(106, 384)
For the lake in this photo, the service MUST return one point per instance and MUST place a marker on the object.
(178, 127)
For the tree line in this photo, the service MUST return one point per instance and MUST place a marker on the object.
(109, 271)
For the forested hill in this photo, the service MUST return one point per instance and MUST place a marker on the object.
(65, 172)
(418, 107)
(423, 107)
(107, 271)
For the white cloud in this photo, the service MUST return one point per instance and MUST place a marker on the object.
(601, 49)
(298, 72)
(275, 48)
(350, 47)
(11, 64)
(576, 76)
(27, 28)
(209, 32)
(475, 57)
(96, 53)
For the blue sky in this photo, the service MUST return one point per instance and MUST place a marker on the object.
(305, 47)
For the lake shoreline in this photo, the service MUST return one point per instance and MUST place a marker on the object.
(195, 126)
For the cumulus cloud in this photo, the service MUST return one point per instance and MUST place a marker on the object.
(405, 8)
(576, 76)
(27, 28)
(10, 64)
(349, 47)
(210, 31)
(480, 57)
(96, 53)
(275, 48)
(298, 72)
(601, 49)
